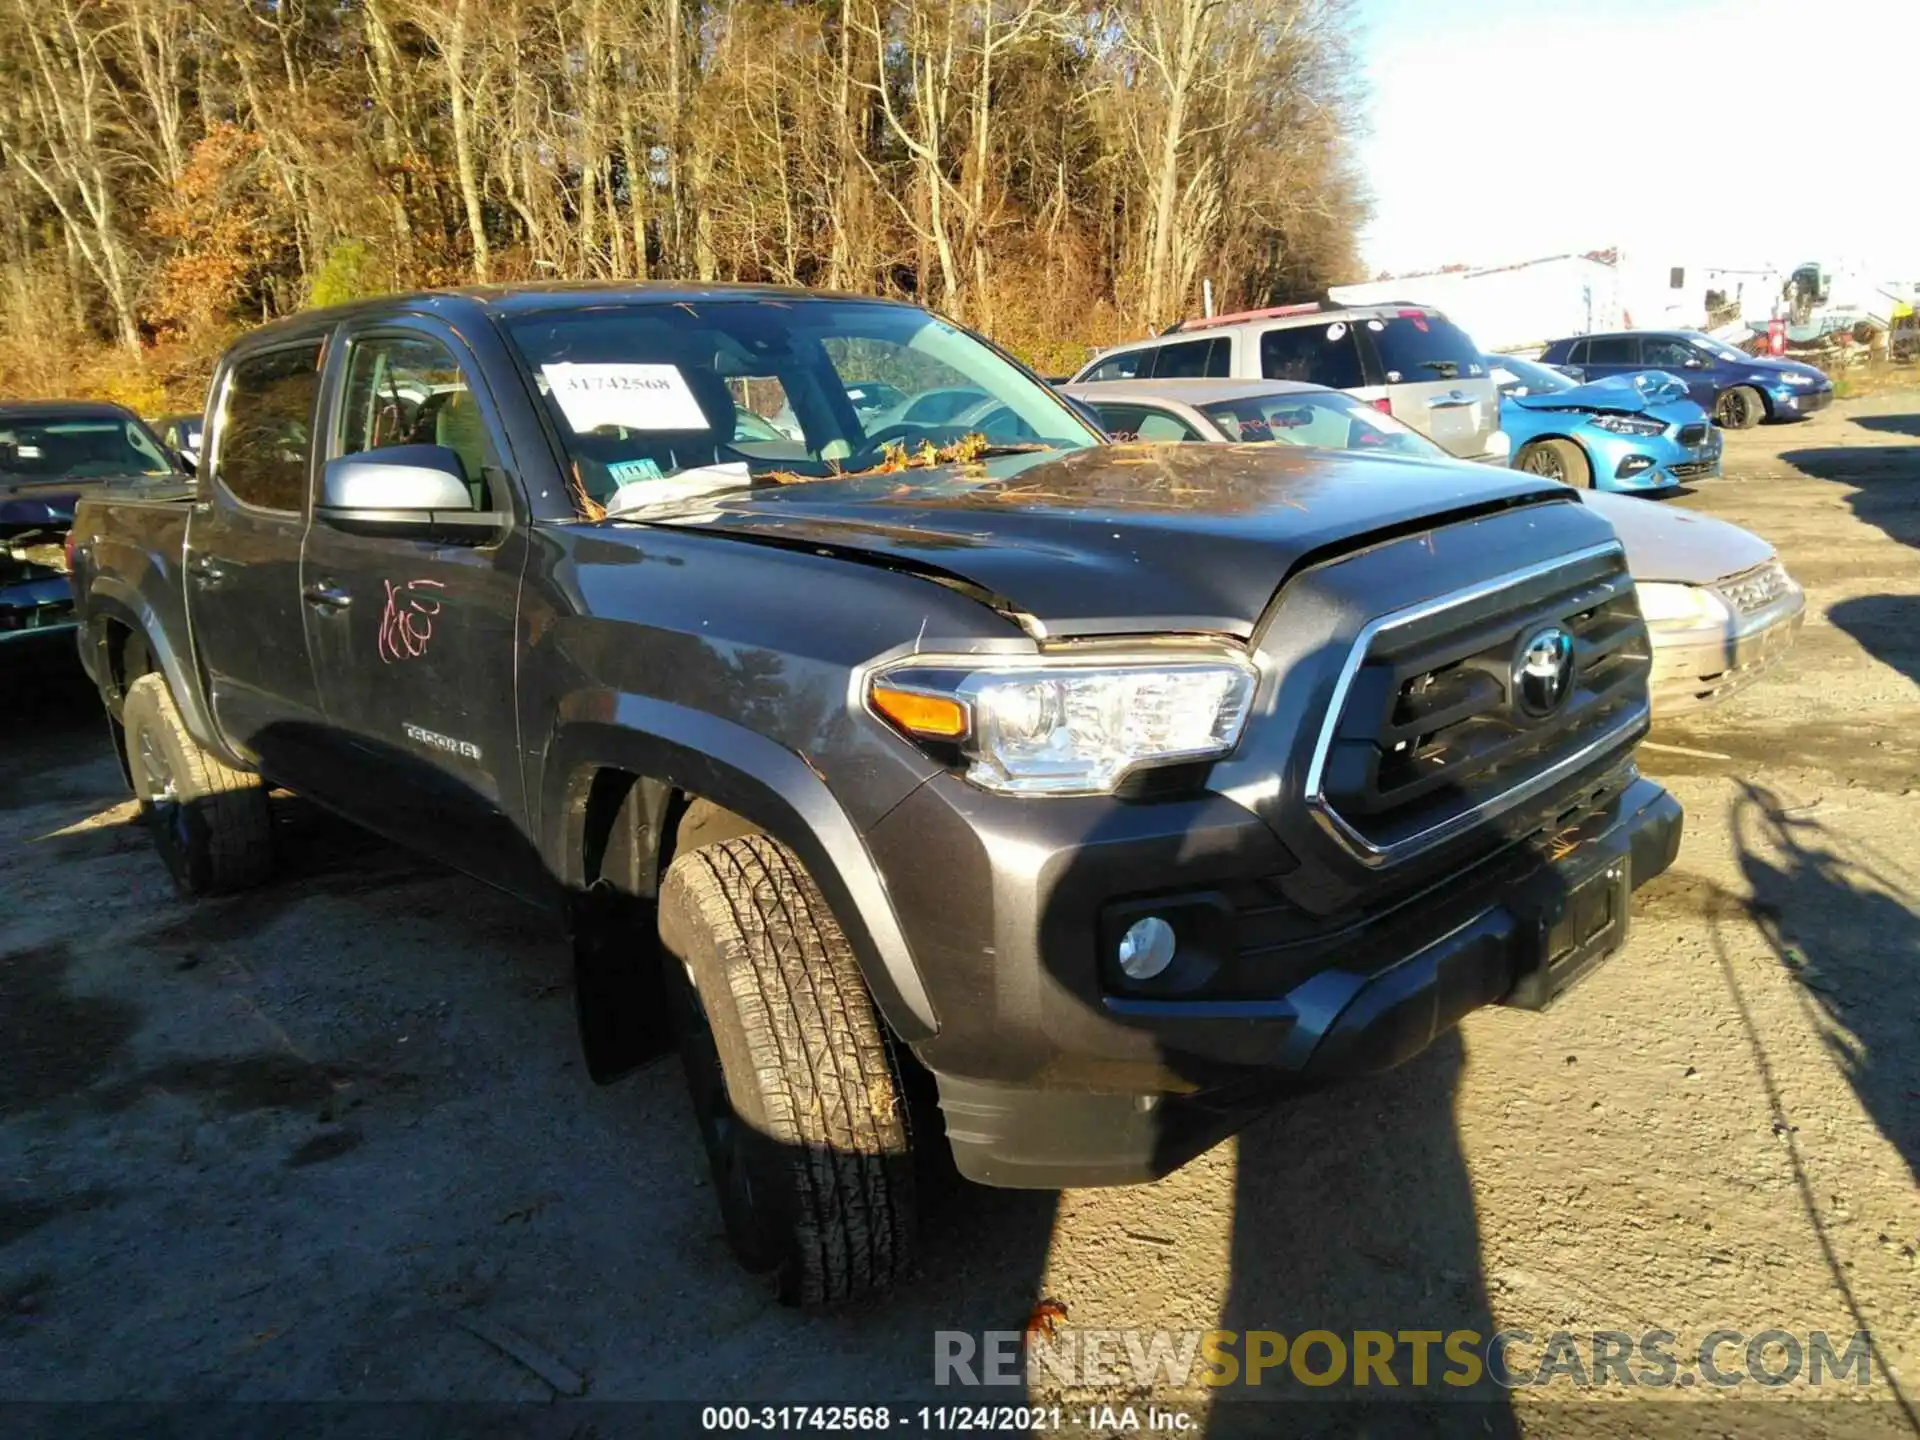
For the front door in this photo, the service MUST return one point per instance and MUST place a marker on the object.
(1677, 357)
(242, 562)
(413, 638)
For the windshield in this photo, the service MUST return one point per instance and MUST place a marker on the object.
(656, 403)
(1529, 377)
(1417, 346)
(1327, 421)
(78, 447)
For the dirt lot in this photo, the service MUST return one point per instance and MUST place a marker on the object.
(323, 1141)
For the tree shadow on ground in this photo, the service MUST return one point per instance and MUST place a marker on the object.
(1885, 627)
(1889, 424)
(1843, 924)
(1885, 481)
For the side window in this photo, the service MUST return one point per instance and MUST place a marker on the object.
(1140, 422)
(265, 438)
(1194, 359)
(1317, 354)
(1121, 367)
(1664, 353)
(409, 390)
(1578, 354)
(1614, 350)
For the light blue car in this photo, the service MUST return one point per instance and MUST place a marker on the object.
(1635, 432)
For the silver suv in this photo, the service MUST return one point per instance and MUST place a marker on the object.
(1407, 360)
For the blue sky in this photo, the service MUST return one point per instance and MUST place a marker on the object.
(1735, 132)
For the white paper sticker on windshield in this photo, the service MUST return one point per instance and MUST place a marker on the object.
(1375, 326)
(633, 397)
(1336, 330)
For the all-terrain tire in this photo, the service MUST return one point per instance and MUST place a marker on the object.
(1560, 460)
(794, 1081)
(211, 823)
(1740, 408)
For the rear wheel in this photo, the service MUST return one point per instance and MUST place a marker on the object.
(211, 823)
(1559, 460)
(1740, 408)
(794, 1083)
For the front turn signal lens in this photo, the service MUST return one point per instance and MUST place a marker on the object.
(930, 717)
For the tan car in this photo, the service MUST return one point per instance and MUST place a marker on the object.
(1719, 604)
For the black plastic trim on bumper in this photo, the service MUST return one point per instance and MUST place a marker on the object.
(1340, 1024)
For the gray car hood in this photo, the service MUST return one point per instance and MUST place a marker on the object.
(1664, 543)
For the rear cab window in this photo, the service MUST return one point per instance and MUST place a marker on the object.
(1419, 347)
(263, 433)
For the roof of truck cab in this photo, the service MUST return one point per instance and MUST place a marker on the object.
(534, 297)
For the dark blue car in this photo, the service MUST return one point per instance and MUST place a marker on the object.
(1739, 390)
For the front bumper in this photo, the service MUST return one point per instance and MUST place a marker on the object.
(1696, 666)
(1049, 1077)
(1661, 462)
(1789, 402)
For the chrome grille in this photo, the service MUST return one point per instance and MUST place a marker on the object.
(1755, 589)
(1430, 738)
(1690, 469)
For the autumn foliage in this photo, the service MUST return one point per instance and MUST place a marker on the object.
(1058, 176)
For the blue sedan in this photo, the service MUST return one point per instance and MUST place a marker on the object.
(1627, 432)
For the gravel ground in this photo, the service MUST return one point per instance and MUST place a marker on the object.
(331, 1140)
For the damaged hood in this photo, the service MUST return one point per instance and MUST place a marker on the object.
(1641, 390)
(1120, 538)
(1665, 543)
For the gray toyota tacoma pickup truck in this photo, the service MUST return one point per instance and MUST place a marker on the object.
(1101, 792)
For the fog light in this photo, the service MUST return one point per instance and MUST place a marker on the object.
(1147, 948)
(1633, 465)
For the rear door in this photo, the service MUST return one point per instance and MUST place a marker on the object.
(1434, 378)
(242, 563)
(413, 637)
(1611, 355)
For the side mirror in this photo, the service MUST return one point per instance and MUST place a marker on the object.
(402, 490)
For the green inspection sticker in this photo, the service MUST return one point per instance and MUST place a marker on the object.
(625, 472)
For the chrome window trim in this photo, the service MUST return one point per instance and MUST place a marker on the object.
(1376, 856)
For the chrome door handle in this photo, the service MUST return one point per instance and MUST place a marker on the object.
(323, 596)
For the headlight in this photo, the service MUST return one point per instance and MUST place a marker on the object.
(1629, 424)
(1067, 726)
(1666, 603)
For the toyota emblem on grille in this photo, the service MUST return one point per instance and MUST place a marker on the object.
(1543, 673)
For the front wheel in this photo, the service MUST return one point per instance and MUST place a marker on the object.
(1557, 460)
(211, 823)
(1740, 408)
(794, 1083)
